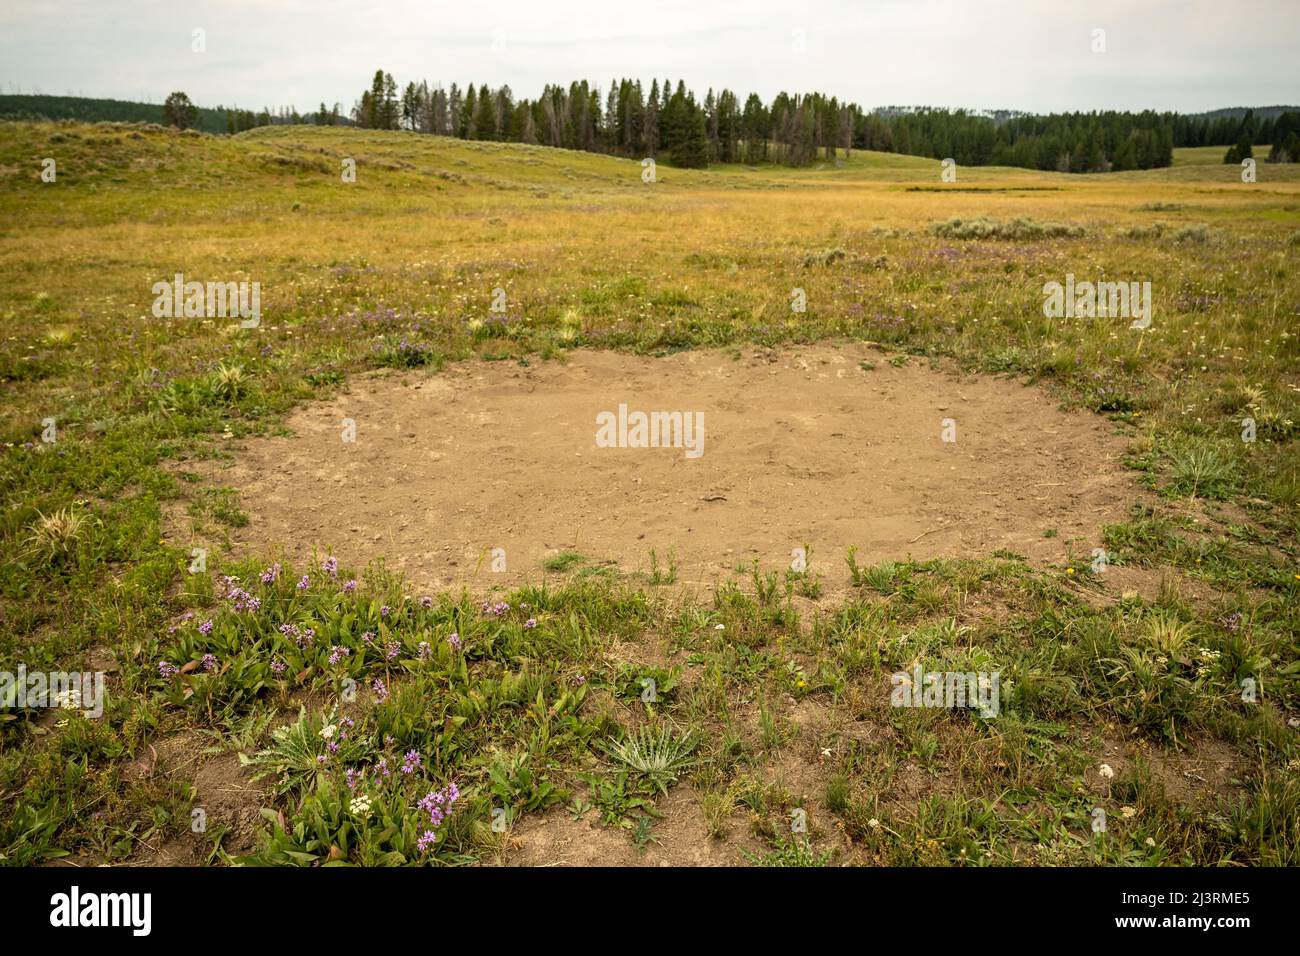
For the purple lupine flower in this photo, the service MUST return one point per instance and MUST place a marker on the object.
(244, 601)
(349, 587)
(271, 574)
(330, 566)
(454, 640)
(205, 628)
(530, 623)
(209, 662)
(304, 583)
(437, 803)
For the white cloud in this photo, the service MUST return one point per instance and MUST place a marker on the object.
(1027, 54)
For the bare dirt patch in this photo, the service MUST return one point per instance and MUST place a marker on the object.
(680, 838)
(802, 447)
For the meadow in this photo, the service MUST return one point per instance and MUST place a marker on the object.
(275, 709)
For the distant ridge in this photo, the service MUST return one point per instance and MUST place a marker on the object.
(1237, 112)
(86, 109)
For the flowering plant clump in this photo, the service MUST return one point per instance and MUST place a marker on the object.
(369, 778)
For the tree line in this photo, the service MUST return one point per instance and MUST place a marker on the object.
(1283, 132)
(671, 121)
(668, 121)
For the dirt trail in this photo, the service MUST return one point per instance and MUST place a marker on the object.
(801, 447)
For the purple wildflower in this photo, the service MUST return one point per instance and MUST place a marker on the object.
(412, 762)
(437, 803)
(167, 670)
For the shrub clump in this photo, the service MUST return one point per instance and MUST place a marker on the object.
(1010, 230)
(1197, 234)
(827, 257)
(1153, 231)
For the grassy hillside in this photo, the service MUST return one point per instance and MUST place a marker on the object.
(397, 270)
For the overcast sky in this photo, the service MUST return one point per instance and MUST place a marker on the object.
(1186, 55)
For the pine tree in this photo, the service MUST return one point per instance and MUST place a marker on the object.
(485, 115)
(465, 122)
(179, 112)
(374, 112)
(651, 141)
(410, 105)
(692, 150)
